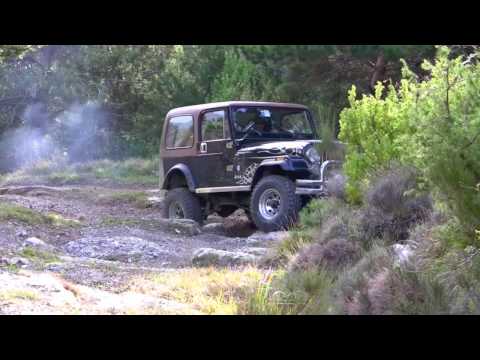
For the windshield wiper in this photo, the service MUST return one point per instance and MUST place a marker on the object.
(250, 128)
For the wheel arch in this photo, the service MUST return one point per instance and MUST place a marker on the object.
(177, 172)
(269, 167)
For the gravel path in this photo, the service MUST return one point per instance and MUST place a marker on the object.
(103, 240)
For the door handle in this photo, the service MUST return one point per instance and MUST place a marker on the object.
(203, 147)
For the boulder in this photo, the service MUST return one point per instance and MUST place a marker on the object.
(15, 261)
(257, 251)
(182, 226)
(214, 257)
(116, 248)
(214, 228)
(21, 233)
(155, 201)
(37, 243)
(402, 253)
(261, 238)
(238, 226)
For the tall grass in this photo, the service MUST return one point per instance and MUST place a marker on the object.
(130, 171)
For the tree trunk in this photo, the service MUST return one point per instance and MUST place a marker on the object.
(379, 71)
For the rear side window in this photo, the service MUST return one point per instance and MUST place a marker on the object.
(179, 132)
(215, 126)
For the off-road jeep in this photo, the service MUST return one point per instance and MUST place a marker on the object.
(258, 156)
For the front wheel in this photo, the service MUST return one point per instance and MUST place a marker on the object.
(274, 205)
(180, 203)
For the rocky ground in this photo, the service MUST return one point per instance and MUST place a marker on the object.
(85, 249)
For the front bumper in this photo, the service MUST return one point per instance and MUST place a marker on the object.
(310, 187)
(314, 187)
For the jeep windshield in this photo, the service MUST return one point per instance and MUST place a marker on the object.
(262, 123)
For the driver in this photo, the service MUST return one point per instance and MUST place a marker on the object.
(262, 124)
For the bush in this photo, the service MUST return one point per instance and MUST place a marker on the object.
(311, 219)
(371, 127)
(393, 206)
(352, 288)
(333, 255)
(378, 286)
(433, 125)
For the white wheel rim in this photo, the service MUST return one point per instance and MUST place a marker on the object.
(269, 204)
(175, 211)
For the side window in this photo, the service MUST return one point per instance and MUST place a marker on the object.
(215, 126)
(179, 132)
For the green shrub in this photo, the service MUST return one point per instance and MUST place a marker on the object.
(372, 128)
(433, 125)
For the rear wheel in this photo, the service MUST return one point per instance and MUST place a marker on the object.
(180, 203)
(274, 205)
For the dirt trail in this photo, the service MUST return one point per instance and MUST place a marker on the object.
(90, 242)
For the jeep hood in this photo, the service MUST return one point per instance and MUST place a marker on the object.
(277, 147)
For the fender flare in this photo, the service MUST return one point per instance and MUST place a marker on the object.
(284, 164)
(185, 171)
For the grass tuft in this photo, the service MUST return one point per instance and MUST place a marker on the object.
(12, 294)
(14, 212)
(39, 255)
(207, 290)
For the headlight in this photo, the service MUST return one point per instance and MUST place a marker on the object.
(312, 155)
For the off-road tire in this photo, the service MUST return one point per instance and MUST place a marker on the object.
(289, 203)
(188, 201)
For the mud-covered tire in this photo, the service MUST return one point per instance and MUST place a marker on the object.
(186, 200)
(286, 213)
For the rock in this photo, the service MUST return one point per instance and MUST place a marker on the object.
(257, 251)
(214, 228)
(15, 261)
(37, 243)
(117, 248)
(55, 267)
(402, 253)
(182, 226)
(21, 233)
(238, 226)
(155, 201)
(214, 218)
(214, 257)
(261, 238)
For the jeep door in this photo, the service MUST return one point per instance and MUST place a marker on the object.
(214, 164)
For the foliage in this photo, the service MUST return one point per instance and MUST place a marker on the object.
(372, 128)
(433, 125)
(121, 93)
(240, 79)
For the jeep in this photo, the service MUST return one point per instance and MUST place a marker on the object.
(261, 157)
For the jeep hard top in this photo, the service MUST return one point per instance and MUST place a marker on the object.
(258, 156)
